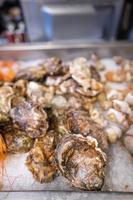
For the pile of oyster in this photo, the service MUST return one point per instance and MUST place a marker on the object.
(65, 115)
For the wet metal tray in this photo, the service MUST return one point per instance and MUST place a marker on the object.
(18, 181)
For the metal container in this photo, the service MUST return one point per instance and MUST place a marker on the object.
(14, 165)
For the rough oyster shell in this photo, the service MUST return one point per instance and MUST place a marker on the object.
(78, 122)
(29, 118)
(80, 72)
(31, 73)
(81, 161)
(41, 159)
(6, 95)
(39, 94)
(128, 139)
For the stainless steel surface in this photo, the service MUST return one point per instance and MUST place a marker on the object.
(66, 50)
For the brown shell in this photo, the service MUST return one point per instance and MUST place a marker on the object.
(6, 95)
(31, 73)
(53, 65)
(41, 158)
(30, 118)
(81, 162)
(39, 94)
(79, 122)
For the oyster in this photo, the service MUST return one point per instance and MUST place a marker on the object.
(31, 73)
(115, 116)
(95, 90)
(128, 139)
(41, 158)
(86, 76)
(78, 122)
(16, 141)
(6, 95)
(114, 132)
(129, 99)
(30, 118)
(39, 94)
(121, 106)
(94, 73)
(53, 66)
(59, 101)
(80, 72)
(68, 86)
(81, 161)
(20, 87)
(58, 119)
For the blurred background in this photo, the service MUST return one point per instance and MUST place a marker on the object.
(65, 20)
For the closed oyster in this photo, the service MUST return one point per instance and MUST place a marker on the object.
(6, 95)
(129, 99)
(20, 87)
(128, 139)
(39, 94)
(53, 66)
(31, 73)
(58, 120)
(68, 86)
(80, 72)
(78, 122)
(114, 132)
(29, 118)
(81, 161)
(41, 158)
(121, 106)
(94, 73)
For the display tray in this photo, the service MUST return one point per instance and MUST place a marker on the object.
(119, 170)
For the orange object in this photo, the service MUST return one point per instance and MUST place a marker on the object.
(7, 71)
(2, 149)
(7, 74)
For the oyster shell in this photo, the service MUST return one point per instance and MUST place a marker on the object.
(80, 72)
(16, 141)
(114, 132)
(30, 118)
(121, 106)
(128, 139)
(68, 86)
(129, 99)
(53, 66)
(81, 161)
(20, 87)
(6, 95)
(78, 122)
(31, 73)
(39, 94)
(41, 159)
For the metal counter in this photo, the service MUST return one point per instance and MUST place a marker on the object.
(66, 51)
